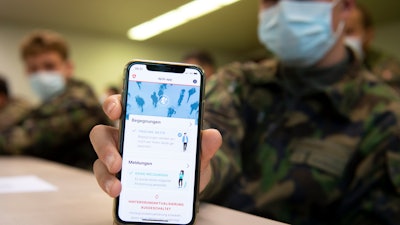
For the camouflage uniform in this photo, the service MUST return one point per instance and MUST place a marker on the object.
(317, 146)
(12, 112)
(385, 66)
(58, 129)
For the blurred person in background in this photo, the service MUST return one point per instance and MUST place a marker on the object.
(202, 58)
(11, 109)
(359, 36)
(110, 90)
(311, 138)
(58, 128)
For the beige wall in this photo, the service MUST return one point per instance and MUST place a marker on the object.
(99, 60)
(387, 38)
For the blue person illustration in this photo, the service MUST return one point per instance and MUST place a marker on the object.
(154, 98)
(180, 181)
(191, 92)
(171, 112)
(140, 102)
(161, 90)
(193, 107)
(139, 84)
(181, 97)
(185, 141)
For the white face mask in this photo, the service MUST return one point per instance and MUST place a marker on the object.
(299, 33)
(356, 44)
(47, 84)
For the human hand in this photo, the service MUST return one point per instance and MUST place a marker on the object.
(105, 141)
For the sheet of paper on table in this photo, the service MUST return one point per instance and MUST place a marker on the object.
(24, 184)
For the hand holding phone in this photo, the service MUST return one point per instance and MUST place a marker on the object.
(160, 143)
(104, 139)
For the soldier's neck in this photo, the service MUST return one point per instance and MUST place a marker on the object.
(334, 56)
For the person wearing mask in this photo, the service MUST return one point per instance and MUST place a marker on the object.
(202, 58)
(58, 128)
(311, 138)
(11, 109)
(359, 36)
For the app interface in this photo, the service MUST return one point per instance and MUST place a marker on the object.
(159, 149)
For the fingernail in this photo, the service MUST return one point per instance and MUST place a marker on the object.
(109, 161)
(111, 107)
(108, 186)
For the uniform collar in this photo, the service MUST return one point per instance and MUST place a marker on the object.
(340, 84)
(308, 81)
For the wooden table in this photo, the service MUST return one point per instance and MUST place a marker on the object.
(79, 200)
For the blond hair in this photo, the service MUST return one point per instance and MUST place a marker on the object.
(42, 41)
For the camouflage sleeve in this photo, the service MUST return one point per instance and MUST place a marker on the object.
(13, 112)
(63, 120)
(376, 182)
(222, 112)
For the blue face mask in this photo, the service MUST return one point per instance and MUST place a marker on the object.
(47, 84)
(299, 33)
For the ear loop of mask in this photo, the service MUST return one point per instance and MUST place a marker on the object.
(340, 27)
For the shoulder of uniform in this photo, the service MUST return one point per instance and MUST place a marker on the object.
(78, 83)
(367, 76)
(248, 72)
(376, 95)
(362, 94)
(79, 90)
(383, 98)
(373, 85)
(380, 61)
(234, 82)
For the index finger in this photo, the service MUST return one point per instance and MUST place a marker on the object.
(105, 142)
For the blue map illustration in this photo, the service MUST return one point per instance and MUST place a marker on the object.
(164, 100)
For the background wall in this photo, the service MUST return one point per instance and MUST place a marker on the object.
(98, 59)
(387, 38)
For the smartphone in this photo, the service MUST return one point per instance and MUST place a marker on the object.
(160, 143)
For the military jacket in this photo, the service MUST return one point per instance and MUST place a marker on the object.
(59, 128)
(312, 146)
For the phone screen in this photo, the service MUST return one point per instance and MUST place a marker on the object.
(160, 143)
